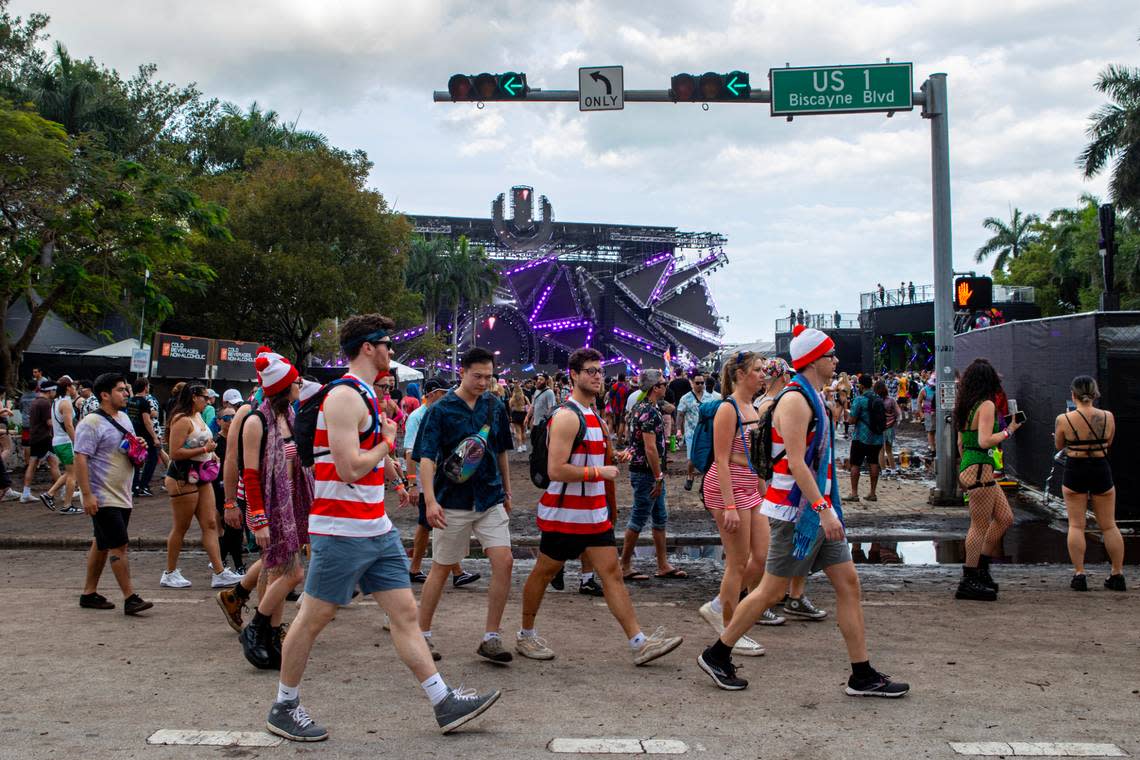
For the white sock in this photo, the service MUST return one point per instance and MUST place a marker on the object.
(27, 491)
(435, 689)
(637, 641)
(715, 605)
(586, 577)
(427, 634)
(287, 693)
(491, 635)
(528, 633)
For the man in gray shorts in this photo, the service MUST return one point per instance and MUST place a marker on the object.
(800, 417)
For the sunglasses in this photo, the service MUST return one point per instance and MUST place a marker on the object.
(698, 382)
(227, 417)
(660, 385)
(592, 371)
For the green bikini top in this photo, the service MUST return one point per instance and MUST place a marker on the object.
(972, 453)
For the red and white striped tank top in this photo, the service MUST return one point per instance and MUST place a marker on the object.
(347, 509)
(745, 485)
(582, 508)
(777, 502)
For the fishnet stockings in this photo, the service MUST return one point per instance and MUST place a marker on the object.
(990, 513)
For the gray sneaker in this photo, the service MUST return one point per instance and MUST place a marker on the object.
(290, 720)
(657, 645)
(803, 608)
(533, 647)
(462, 705)
(493, 650)
(770, 618)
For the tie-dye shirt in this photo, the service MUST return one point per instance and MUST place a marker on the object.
(108, 467)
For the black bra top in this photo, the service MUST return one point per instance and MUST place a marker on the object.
(1087, 445)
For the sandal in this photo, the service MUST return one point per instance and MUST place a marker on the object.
(633, 575)
(672, 574)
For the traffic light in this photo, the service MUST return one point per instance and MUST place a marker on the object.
(973, 293)
(510, 85)
(710, 86)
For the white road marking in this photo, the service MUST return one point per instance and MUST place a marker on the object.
(178, 601)
(214, 738)
(618, 746)
(1037, 749)
(644, 604)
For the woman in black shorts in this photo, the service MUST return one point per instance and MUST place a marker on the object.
(518, 407)
(1085, 434)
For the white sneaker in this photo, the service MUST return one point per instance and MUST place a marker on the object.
(78, 495)
(173, 579)
(224, 579)
(10, 495)
(747, 647)
(714, 618)
(28, 499)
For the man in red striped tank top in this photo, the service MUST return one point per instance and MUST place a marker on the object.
(575, 518)
(795, 488)
(354, 543)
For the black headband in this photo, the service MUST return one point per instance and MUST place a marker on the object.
(371, 337)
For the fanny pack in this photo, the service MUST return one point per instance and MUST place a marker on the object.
(134, 447)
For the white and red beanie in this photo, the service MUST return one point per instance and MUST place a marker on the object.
(274, 371)
(309, 389)
(808, 344)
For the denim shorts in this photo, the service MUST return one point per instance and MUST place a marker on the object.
(340, 563)
(645, 507)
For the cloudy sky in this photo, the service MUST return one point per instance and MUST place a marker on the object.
(816, 210)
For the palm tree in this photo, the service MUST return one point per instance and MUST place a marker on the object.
(237, 132)
(1008, 240)
(481, 281)
(426, 274)
(1114, 131)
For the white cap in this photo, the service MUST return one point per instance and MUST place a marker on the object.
(232, 397)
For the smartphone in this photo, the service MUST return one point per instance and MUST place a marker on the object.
(1018, 417)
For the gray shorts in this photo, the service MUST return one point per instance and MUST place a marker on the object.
(928, 423)
(783, 564)
(341, 563)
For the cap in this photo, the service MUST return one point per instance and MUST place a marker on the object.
(232, 397)
(434, 384)
(211, 393)
(46, 385)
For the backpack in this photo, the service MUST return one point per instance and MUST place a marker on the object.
(761, 453)
(877, 415)
(701, 454)
(540, 445)
(305, 423)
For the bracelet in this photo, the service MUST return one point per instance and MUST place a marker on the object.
(1008, 434)
(391, 444)
(230, 505)
(411, 476)
(820, 505)
(730, 506)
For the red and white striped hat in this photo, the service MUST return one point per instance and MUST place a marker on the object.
(274, 371)
(808, 344)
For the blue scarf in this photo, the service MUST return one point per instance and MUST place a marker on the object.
(823, 443)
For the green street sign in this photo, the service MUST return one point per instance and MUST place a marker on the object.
(841, 89)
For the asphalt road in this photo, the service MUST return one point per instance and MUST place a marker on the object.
(1041, 664)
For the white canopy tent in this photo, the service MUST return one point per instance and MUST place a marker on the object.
(404, 373)
(122, 349)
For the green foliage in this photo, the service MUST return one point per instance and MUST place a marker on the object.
(1008, 240)
(310, 243)
(1114, 134)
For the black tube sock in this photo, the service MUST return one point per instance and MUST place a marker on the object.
(862, 670)
(719, 651)
(983, 562)
(260, 620)
(241, 592)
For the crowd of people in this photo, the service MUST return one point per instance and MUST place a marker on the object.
(296, 474)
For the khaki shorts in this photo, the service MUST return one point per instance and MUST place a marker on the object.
(451, 544)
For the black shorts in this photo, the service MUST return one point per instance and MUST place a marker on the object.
(1088, 475)
(518, 416)
(562, 547)
(865, 452)
(40, 449)
(421, 520)
(111, 527)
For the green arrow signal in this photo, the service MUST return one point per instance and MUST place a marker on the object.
(512, 82)
(735, 85)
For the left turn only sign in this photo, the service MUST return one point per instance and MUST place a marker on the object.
(601, 88)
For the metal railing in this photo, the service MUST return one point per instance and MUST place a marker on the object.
(905, 296)
(819, 321)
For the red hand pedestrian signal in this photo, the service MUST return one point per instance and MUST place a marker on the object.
(973, 293)
(964, 293)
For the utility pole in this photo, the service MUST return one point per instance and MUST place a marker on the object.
(142, 313)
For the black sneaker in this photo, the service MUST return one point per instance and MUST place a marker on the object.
(879, 685)
(48, 500)
(290, 720)
(293, 596)
(558, 582)
(688, 484)
(257, 645)
(464, 578)
(419, 577)
(1115, 583)
(723, 673)
(1081, 583)
(970, 588)
(95, 601)
(134, 604)
(144, 492)
(591, 588)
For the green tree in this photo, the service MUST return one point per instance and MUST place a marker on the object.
(227, 140)
(18, 47)
(427, 274)
(78, 228)
(310, 243)
(1114, 134)
(1008, 240)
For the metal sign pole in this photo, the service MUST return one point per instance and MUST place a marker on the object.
(935, 109)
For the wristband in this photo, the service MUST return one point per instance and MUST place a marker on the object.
(730, 506)
(411, 476)
(230, 505)
(820, 505)
(1008, 434)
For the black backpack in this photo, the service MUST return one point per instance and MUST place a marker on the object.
(761, 451)
(305, 424)
(539, 445)
(877, 415)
